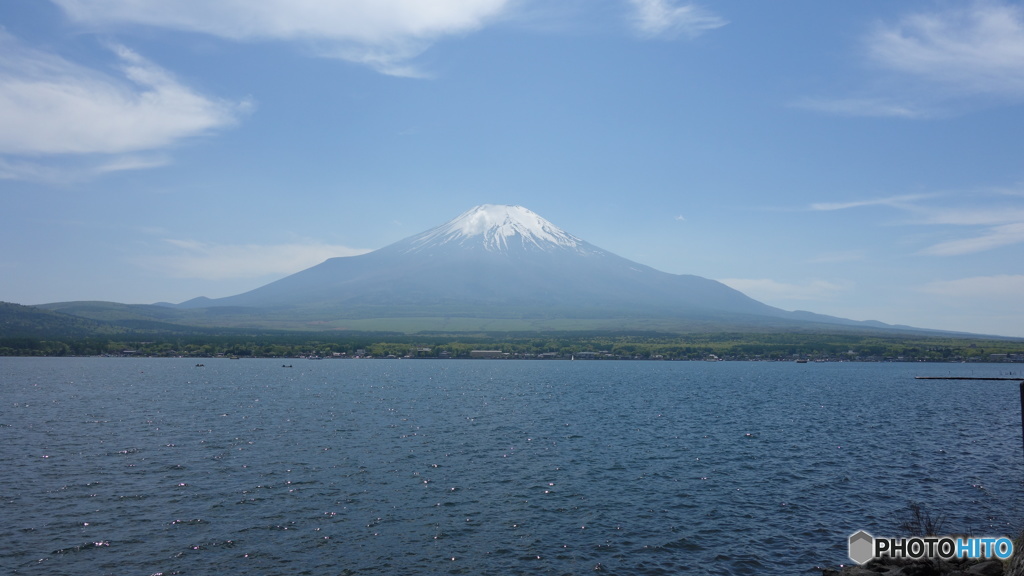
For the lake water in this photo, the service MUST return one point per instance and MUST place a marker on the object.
(156, 466)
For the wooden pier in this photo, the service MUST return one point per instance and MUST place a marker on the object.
(1021, 379)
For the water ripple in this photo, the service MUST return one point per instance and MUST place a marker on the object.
(144, 467)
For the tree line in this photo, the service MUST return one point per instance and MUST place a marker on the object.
(639, 346)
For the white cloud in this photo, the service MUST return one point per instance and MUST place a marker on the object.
(893, 201)
(133, 162)
(24, 170)
(1009, 286)
(765, 289)
(927, 64)
(872, 107)
(386, 35)
(973, 216)
(223, 261)
(662, 18)
(993, 227)
(980, 304)
(990, 238)
(49, 105)
(383, 34)
(1011, 191)
(68, 172)
(976, 49)
(76, 168)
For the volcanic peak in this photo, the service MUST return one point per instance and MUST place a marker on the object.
(498, 228)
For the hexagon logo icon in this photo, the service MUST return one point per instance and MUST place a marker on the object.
(861, 547)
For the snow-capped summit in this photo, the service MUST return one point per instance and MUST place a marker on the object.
(498, 228)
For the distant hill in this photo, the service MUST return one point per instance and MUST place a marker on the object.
(135, 316)
(86, 319)
(17, 321)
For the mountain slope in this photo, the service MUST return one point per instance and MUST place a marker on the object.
(502, 262)
(34, 322)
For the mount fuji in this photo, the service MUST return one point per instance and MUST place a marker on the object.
(495, 265)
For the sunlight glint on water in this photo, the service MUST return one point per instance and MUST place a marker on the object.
(136, 466)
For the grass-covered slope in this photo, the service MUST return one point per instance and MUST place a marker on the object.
(17, 321)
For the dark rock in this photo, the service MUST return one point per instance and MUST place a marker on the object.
(923, 568)
(858, 571)
(894, 567)
(987, 568)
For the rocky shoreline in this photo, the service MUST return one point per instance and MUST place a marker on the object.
(928, 567)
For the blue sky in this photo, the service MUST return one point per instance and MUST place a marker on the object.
(861, 159)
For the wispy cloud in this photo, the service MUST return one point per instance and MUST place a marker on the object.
(904, 201)
(872, 107)
(50, 106)
(386, 35)
(383, 34)
(972, 216)
(665, 19)
(988, 239)
(926, 64)
(16, 169)
(974, 49)
(998, 286)
(133, 162)
(191, 259)
(994, 226)
(67, 169)
(770, 290)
